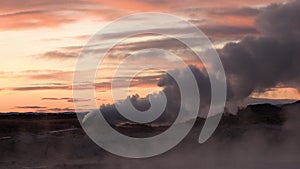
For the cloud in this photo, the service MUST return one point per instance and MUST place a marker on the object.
(31, 20)
(67, 109)
(15, 15)
(30, 107)
(34, 4)
(280, 21)
(21, 13)
(253, 64)
(53, 98)
(59, 55)
(138, 81)
(221, 22)
(31, 88)
(173, 95)
(57, 75)
(228, 31)
(267, 61)
(65, 99)
(244, 11)
(54, 75)
(45, 109)
(62, 53)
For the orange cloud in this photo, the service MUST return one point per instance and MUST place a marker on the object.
(278, 93)
(15, 15)
(31, 19)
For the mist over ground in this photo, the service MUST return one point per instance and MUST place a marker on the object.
(259, 136)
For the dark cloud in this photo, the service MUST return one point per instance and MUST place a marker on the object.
(228, 31)
(41, 75)
(125, 48)
(136, 82)
(265, 62)
(172, 92)
(253, 64)
(258, 64)
(31, 88)
(51, 98)
(214, 31)
(224, 21)
(78, 47)
(65, 99)
(69, 52)
(59, 55)
(55, 110)
(47, 84)
(280, 21)
(30, 107)
(22, 13)
(54, 75)
(245, 12)
(67, 109)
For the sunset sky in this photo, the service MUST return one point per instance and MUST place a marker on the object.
(41, 39)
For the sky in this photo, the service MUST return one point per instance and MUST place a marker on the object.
(41, 40)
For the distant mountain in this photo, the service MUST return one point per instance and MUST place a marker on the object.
(261, 117)
(264, 114)
(261, 114)
(268, 114)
